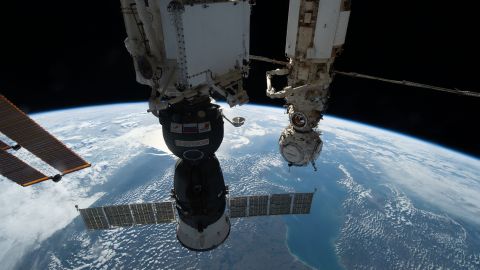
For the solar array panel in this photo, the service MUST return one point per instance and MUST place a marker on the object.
(4, 146)
(238, 206)
(18, 171)
(94, 218)
(280, 204)
(127, 215)
(119, 215)
(164, 212)
(302, 203)
(16, 125)
(258, 205)
(276, 204)
(153, 213)
(143, 213)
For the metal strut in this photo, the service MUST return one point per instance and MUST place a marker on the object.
(268, 60)
(132, 10)
(408, 83)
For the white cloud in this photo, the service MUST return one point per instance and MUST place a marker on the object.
(441, 177)
(30, 215)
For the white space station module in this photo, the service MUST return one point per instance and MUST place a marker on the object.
(316, 31)
(189, 50)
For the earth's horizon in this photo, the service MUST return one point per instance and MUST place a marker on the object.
(383, 199)
(225, 105)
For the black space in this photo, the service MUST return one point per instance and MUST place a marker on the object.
(57, 54)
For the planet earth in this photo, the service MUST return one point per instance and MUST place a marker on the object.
(382, 200)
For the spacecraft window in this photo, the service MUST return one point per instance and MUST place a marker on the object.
(299, 120)
(193, 154)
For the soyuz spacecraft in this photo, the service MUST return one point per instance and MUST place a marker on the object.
(188, 51)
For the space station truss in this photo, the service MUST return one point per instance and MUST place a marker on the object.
(17, 126)
(268, 205)
(108, 217)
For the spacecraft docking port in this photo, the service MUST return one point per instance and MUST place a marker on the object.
(315, 34)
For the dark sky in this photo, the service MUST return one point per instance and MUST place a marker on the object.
(57, 54)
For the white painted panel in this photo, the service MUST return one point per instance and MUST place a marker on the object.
(168, 30)
(341, 28)
(149, 23)
(325, 29)
(246, 29)
(292, 27)
(216, 37)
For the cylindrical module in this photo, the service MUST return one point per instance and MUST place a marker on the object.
(192, 131)
(213, 236)
(300, 148)
(200, 194)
